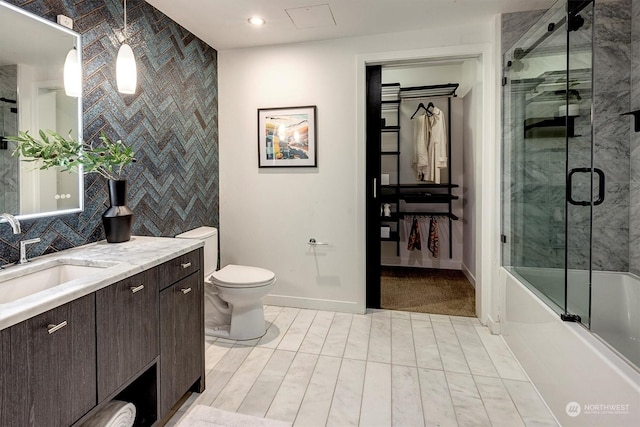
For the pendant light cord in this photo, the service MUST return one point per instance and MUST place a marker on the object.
(125, 19)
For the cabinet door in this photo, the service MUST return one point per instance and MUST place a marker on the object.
(49, 363)
(181, 338)
(127, 329)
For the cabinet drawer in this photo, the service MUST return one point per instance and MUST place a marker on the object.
(178, 268)
(127, 329)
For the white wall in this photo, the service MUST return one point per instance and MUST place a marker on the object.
(268, 215)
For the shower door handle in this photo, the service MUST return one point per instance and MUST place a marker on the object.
(601, 184)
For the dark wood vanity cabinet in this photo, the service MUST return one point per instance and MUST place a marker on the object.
(127, 329)
(140, 339)
(181, 339)
(49, 367)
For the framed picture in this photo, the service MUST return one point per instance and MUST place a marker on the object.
(287, 137)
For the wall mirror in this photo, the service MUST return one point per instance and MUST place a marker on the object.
(32, 97)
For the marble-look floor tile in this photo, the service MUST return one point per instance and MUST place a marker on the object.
(266, 386)
(358, 341)
(396, 314)
(376, 396)
(317, 399)
(467, 403)
(421, 316)
(402, 350)
(218, 377)
(497, 402)
(427, 353)
(348, 394)
(505, 363)
(476, 355)
(213, 354)
(436, 400)
(380, 340)
(297, 331)
(317, 333)
(389, 369)
(279, 327)
(406, 402)
(440, 318)
(531, 407)
(234, 392)
(289, 397)
(336, 339)
(450, 351)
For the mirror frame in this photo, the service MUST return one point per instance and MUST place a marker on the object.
(78, 44)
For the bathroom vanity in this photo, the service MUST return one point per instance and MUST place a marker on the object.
(127, 325)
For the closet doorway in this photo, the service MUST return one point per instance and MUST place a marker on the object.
(420, 136)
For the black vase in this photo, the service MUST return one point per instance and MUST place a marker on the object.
(118, 218)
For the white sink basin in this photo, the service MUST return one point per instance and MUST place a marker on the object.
(40, 277)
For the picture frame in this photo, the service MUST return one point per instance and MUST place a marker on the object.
(287, 137)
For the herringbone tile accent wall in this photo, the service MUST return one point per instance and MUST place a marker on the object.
(172, 123)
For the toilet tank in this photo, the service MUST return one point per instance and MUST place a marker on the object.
(210, 237)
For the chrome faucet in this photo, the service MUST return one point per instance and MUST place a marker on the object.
(23, 249)
(13, 221)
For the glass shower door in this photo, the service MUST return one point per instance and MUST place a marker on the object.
(547, 159)
(585, 184)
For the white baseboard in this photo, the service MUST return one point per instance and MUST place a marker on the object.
(468, 274)
(494, 327)
(315, 304)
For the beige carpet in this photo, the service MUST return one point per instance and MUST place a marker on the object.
(427, 291)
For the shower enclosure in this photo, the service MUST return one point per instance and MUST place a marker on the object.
(567, 187)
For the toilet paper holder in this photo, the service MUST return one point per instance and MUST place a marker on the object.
(313, 242)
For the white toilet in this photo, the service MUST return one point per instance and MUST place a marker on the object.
(233, 295)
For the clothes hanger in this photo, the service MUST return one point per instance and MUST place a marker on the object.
(430, 108)
(421, 105)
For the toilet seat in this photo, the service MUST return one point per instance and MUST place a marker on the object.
(242, 276)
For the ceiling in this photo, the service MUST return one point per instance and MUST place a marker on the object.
(223, 23)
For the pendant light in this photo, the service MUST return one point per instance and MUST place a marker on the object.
(126, 71)
(73, 74)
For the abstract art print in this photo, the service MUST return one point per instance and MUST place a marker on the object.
(287, 137)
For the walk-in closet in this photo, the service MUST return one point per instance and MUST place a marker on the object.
(419, 159)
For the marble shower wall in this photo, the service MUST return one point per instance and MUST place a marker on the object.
(612, 75)
(543, 244)
(171, 122)
(634, 212)
(8, 126)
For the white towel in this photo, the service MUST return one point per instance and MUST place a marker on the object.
(114, 414)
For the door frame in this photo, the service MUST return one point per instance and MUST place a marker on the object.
(489, 296)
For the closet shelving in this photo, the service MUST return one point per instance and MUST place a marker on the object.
(424, 193)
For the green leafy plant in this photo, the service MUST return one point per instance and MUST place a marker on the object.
(53, 150)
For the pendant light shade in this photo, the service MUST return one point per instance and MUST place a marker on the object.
(73, 74)
(126, 70)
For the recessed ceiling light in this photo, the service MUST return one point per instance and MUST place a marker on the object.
(256, 20)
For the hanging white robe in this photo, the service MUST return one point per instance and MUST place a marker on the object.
(420, 145)
(437, 146)
(430, 145)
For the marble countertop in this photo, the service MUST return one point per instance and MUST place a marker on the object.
(120, 260)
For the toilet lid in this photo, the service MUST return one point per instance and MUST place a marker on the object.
(242, 276)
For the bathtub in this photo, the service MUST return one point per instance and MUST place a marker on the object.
(587, 378)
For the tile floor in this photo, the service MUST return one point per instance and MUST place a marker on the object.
(384, 368)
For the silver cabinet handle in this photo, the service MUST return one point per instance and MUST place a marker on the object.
(185, 290)
(135, 289)
(53, 328)
(186, 265)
